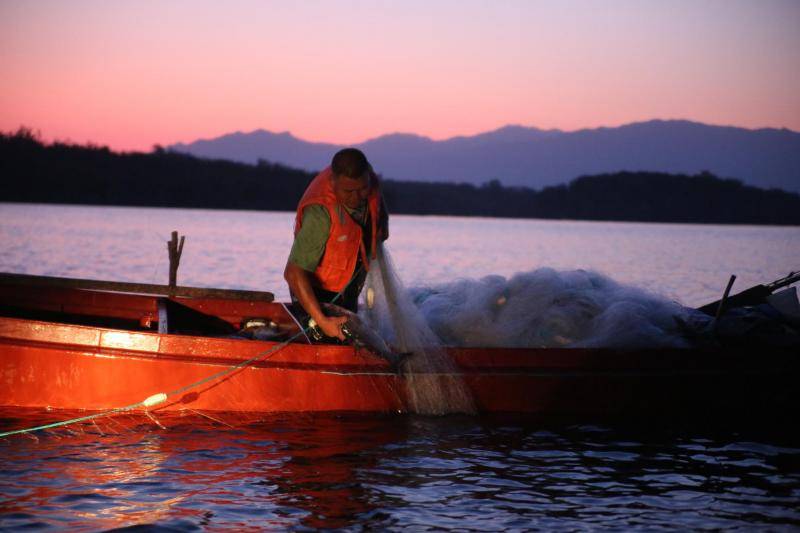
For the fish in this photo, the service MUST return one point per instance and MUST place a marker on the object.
(363, 336)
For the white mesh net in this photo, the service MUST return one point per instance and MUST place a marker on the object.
(434, 386)
(546, 308)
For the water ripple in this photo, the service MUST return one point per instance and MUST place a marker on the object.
(397, 473)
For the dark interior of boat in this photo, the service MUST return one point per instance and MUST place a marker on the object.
(139, 312)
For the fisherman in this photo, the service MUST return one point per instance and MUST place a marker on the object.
(339, 221)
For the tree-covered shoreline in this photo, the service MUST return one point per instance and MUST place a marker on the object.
(35, 172)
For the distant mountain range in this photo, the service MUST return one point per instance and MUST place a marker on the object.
(32, 171)
(516, 155)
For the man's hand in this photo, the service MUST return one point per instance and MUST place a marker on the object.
(332, 326)
(300, 285)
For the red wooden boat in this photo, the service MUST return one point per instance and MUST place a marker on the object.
(75, 344)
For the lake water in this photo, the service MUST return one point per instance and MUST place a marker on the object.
(409, 472)
(398, 473)
(248, 249)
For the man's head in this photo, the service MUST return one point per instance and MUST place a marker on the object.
(351, 177)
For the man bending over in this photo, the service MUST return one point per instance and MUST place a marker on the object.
(339, 220)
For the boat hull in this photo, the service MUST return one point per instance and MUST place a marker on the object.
(63, 366)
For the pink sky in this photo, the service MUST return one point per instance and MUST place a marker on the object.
(133, 74)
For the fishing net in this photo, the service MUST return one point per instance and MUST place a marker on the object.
(546, 308)
(434, 385)
(38, 424)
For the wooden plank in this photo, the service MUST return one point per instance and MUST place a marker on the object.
(138, 288)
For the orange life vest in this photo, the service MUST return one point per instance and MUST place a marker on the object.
(345, 239)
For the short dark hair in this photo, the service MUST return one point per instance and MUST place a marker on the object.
(350, 162)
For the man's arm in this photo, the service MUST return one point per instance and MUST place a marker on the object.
(300, 285)
(307, 251)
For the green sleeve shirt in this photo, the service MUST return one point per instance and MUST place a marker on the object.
(309, 243)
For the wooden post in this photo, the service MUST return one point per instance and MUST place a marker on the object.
(724, 298)
(174, 249)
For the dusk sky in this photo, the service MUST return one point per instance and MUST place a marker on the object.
(133, 74)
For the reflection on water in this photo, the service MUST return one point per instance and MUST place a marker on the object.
(397, 473)
(248, 249)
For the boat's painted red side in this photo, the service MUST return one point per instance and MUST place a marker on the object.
(70, 366)
(50, 357)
